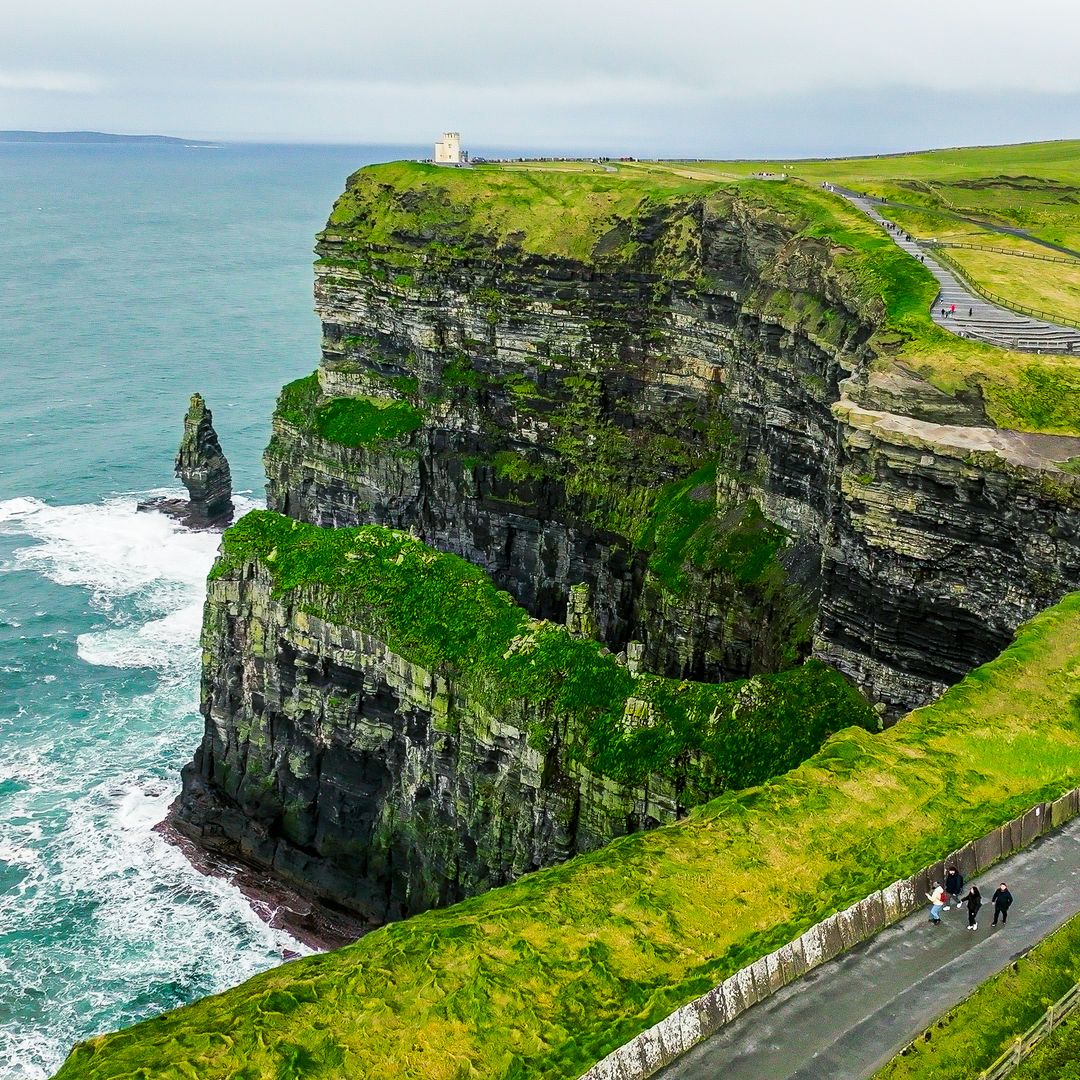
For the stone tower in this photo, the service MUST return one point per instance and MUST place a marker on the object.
(448, 150)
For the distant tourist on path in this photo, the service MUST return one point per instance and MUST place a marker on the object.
(937, 897)
(970, 310)
(974, 902)
(954, 886)
(1002, 901)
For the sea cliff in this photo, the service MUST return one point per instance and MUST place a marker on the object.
(614, 496)
(681, 429)
(692, 402)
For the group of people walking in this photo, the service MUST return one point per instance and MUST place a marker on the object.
(944, 897)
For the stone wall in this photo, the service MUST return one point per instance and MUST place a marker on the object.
(652, 1050)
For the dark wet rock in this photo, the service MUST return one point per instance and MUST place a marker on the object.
(203, 470)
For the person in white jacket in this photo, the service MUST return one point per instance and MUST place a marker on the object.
(937, 897)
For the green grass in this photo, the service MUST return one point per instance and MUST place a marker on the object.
(545, 976)
(556, 213)
(445, 615)
(971, 1036)
(349, 421)
(1058, 1058)
(1052, 287)
(684, 531)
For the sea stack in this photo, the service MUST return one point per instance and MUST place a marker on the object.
(203, 469)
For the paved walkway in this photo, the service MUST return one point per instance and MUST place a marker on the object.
(847, 1018)
(987, 322)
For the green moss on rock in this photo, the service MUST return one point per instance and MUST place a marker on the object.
(444, 614)
(349, 421)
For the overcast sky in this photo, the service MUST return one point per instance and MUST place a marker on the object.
(701, 77)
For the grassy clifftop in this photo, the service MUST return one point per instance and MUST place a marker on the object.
(545, 976)
(405, 223)
(444, 614)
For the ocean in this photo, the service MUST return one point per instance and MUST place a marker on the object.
(130, 277)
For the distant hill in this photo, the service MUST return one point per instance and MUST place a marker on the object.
(91, 137)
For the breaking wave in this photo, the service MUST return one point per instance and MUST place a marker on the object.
(103, 923)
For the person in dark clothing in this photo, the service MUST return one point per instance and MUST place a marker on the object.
(970, 310)
(974, 902)
(954, 886)
(1002, 902)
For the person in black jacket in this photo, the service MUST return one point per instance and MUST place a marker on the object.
(974, 902)
(954, 886)
(1002, 899)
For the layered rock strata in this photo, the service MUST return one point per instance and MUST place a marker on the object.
(561, 401)
(202, 467)
(387, 756)
(204, 471)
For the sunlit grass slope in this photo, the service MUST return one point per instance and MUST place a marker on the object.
(545, 976)
(405, 216)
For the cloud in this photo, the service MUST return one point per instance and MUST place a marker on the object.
(50, 82)
(569, 71)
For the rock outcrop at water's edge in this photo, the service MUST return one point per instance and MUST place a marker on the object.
(202, 467)
(204, 471)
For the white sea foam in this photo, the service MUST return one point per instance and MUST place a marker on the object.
(110, 548)
(121, 925)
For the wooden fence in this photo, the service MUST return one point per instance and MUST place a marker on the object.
(1007, 1064)
(1000, 251)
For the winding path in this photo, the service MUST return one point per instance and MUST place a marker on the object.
(987, 322)
(847, 1018)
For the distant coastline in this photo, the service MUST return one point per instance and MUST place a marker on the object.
(93, 137)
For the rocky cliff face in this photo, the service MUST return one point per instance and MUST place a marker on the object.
(562, 408)
(391, 757)
(692, 420)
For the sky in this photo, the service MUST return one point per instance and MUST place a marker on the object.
(705, 78)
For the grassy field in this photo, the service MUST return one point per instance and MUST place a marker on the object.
(572, 211)
(544, 977)
(972, 1036)
(1050, 286)
(1034, 186)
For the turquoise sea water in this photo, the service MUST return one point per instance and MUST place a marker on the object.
(129, 277)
